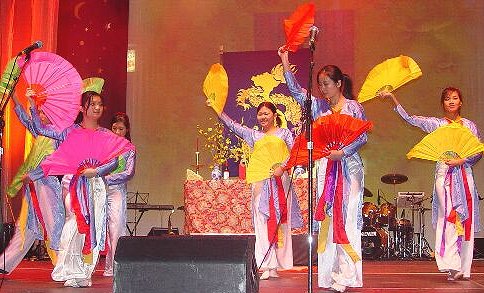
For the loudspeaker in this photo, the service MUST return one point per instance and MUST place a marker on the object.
(478, 248)
(156, 231)
(186, 263)
(300, 249)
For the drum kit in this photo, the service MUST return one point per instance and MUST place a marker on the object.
(384, 235)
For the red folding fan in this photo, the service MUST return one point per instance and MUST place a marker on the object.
(297, 26)
(331, 132)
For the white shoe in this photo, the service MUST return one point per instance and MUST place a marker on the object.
(338, 288)
(273, 273)
(454, 275)
(84, 283)
(265, 275)
(78, 283)
(71, 283)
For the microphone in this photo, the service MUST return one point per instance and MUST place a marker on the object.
(313, 32)
(26, 51)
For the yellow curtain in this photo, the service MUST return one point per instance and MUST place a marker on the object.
(21, 23)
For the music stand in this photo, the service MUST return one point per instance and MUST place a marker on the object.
(136, 198)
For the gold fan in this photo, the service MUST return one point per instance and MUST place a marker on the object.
(450, 141)
(94, 84)
(268, 152)
(216, 87)
(389, 75)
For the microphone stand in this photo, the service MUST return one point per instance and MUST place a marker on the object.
(3, 106)
(309, 137)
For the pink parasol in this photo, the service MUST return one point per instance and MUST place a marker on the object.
(81, 145)
(57, 84)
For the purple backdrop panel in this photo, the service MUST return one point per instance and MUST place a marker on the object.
(255, 77)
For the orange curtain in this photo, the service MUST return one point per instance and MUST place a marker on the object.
(22, 22)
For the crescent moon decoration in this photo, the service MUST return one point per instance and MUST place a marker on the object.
(77, 9)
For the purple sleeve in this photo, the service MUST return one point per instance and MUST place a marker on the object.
(127, 173)
(242, 131)
(427, 124)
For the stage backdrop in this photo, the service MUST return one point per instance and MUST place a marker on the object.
(255, 77)
(173, 56)
(93, 36)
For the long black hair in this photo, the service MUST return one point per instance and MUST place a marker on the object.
(335, 74)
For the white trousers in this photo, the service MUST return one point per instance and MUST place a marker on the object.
(267, 256)
(116, 219)
(70, 262)
(452, 259)
(15, 251)
(334, 264)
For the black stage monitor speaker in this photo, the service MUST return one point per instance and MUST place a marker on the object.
(197, 263)
(156, 231)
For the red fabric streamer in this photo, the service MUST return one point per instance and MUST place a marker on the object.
(468, 222)
(282, 200)
(35, 203)
(272, 221)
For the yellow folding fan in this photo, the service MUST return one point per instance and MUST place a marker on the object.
(216, 87)
(268, 152)
(389, 75)
(94, 84)
(450, 141)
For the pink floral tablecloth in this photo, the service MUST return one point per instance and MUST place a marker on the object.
(223, 206)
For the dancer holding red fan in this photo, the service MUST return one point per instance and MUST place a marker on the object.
(340, 177)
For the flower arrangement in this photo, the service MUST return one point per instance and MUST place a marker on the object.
(241, 151)
(216, 142)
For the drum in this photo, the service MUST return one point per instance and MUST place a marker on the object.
(373, 242)
(405, 230)
(386, 212)
(369, 211)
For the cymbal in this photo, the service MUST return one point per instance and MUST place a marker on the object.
(394, 178)
(367, 193)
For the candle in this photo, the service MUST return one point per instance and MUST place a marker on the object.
(197, 158)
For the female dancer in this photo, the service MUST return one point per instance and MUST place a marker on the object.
(41, 210)
(269, 254)
(117, 191)
(338, 267)
(454, 190)
(78, 251)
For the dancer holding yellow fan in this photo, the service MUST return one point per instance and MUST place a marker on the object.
(275, 209)
(454, 144)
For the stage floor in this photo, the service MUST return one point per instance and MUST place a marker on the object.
(378, 276)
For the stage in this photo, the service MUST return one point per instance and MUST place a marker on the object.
(379, 276)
